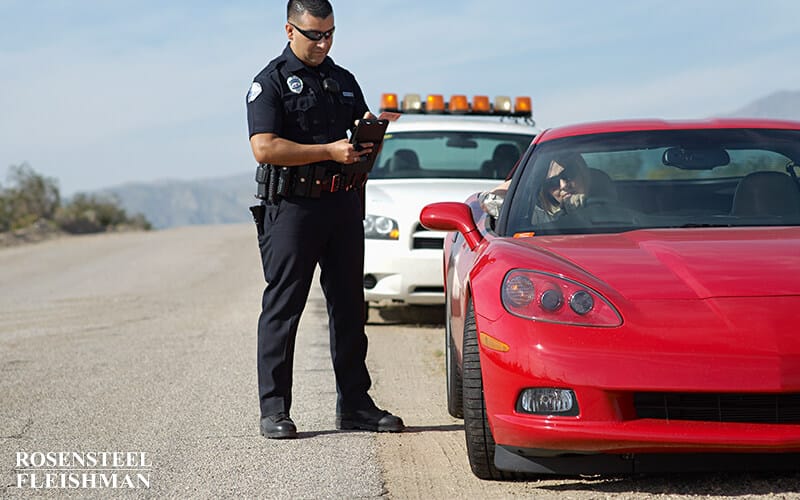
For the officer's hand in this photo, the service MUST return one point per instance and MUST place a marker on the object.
(367, 116)
(344, 152)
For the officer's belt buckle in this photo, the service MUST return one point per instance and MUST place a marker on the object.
(336, 181)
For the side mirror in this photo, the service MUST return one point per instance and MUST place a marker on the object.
(451, 216)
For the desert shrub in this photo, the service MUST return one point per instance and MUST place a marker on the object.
(31, 198)
(28, 198)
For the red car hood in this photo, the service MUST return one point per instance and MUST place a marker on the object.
(685, 264)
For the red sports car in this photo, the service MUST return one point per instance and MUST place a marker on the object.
(634, 305)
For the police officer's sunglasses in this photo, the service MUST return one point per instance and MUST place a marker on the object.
(315, 35)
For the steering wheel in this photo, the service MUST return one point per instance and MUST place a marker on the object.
(599, 209)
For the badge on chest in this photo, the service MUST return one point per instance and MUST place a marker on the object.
(295, 84)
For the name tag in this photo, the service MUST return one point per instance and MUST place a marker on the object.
(348, 94)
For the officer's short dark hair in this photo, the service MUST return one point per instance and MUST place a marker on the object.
(320, 9)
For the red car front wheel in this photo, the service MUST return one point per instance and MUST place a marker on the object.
(480, 442)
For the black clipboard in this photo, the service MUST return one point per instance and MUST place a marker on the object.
(368, 131)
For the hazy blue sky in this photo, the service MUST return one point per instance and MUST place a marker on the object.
(98, 93)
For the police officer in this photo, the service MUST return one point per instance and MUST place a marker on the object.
(299, 109)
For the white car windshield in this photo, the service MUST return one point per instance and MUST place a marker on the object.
(442, 154)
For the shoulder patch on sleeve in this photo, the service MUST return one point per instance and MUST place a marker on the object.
(253, 93)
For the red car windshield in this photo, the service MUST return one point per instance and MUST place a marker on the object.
(615, 182)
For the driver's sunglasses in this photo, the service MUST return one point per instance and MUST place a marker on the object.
(315, 35)
(554, 182)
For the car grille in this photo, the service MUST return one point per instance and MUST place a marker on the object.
(747, 408)
(421, 240)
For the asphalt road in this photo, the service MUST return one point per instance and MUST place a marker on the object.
(145, 343)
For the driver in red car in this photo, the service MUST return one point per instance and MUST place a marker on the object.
(564, 188)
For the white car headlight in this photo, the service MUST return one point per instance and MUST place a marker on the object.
(378, 227)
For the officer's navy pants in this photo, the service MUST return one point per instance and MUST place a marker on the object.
(298, 234)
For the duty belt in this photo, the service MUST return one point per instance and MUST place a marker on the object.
(307, 181)
(313, 186)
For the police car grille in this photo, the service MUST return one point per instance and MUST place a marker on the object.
(421, 241)
(745, 408)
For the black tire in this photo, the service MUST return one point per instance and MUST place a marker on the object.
(480, 442)
(455, 397)
(455, 394)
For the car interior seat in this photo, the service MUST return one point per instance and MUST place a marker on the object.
(504, 158)
(766, 193)
(404, 160)
(601, 185)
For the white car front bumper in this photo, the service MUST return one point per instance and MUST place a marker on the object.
(397, 273)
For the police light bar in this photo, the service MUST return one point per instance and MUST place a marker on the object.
(458, 105)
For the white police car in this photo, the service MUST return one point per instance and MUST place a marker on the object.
(445, 152)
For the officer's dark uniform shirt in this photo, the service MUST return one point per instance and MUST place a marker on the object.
(304, 104)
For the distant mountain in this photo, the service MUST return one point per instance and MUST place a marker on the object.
(783, 105)
(180, 203)
(226, 200)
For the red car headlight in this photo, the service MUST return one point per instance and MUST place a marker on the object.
(547, 297)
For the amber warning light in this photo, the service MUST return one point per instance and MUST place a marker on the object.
(458, 104)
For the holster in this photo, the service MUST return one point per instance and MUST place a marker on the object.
(259, 212)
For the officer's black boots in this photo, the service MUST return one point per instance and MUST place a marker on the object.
(370, 420)
(278, 426)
